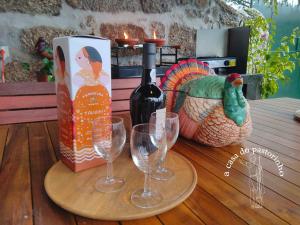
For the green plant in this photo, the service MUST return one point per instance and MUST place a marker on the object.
(263, 59)
(48, 69)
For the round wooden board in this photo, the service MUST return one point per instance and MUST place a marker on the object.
(76, 193)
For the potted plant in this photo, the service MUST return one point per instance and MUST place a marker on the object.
(46, 72)
(263, 58)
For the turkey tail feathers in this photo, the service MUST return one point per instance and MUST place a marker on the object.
(178, 74)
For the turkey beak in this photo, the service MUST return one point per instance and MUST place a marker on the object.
(238, 82)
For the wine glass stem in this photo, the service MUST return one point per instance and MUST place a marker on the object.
(147, 183)
(162, 165)
(109, 173)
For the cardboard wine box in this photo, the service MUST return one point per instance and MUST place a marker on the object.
(82, 67)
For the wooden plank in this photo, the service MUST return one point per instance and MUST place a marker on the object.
(120, 105)
(27, 88)
(121, 94)
(275, 146)
(267, 106)
(240, 183)
(32, 115)
(129, 83)
(179, 216)
(271, 180)
(3, 136)
(26, 102)
(45, 88)
(15, 191)
(207, 207)
(276, 126)
(273, 111)
(278, 139)
(148, 221)
(284, 101)
(125, 83)
(289, 136)
(289, 162)
(287, 116)
(290, 99)
(281, 100)
(277, 117)
(41, 159)
(52, 128)
(85, 221)
(281, 123)
(21, 116)
(283, 104)
(121, 113)
(288, 185)
(290, 167)
(294, 101)
(278, 109)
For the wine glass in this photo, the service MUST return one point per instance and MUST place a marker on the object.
(146, 145)
(109, 137)
(172, 131)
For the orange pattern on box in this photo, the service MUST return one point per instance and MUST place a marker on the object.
(64, 105)
(83, 95)
(91, 102)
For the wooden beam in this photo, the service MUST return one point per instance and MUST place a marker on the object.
(25, 102)
(21, 116)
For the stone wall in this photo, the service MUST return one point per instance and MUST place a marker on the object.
(23, 22)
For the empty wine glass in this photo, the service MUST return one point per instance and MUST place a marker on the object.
(146, 150)
(109, 137)
(172, 131)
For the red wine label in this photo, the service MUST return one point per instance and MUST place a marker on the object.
(153, 76)
(160, 122)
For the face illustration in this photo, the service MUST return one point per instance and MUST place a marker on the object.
(60, 61)
(57, 62)
(82, 61)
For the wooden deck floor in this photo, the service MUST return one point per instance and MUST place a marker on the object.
(28, 150)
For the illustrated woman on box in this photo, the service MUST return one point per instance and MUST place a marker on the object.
(92, 98)
(64, 103)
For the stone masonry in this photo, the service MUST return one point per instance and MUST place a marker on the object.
(23, 22)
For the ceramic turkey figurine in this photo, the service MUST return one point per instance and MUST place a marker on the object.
(212, 109)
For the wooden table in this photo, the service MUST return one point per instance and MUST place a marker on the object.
(27, 151)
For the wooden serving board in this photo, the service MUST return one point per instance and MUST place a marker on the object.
(76, 193)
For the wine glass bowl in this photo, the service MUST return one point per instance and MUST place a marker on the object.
(109, 137)
(172, 131)
(147, 152)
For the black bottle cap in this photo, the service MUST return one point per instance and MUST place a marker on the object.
(149, 55)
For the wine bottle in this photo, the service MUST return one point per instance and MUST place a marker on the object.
(147, 97)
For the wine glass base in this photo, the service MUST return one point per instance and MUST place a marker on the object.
(162, 174)
(146, 200)
(109, 185)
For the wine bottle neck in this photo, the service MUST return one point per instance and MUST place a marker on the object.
(149, 76)
(149, 61)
